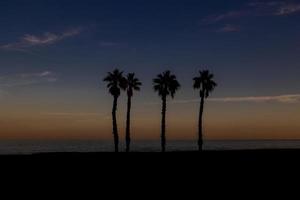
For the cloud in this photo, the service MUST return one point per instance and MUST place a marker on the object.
(229, 28)
(276, 8)
(28, 40)
(293, 98)
(288, 9)
(229, 15)
(73, 114)
(26, 79)
(258, 8)
(81, 116)
(265, 4)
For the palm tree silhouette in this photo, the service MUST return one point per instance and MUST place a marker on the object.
(116, 83)
(206, 85)
(165, 84)
(133, 84)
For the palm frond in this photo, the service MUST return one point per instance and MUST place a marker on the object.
(115, 82)
(205, 83)
(166, 84)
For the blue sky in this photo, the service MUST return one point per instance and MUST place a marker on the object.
(228, 36)
(57, 51)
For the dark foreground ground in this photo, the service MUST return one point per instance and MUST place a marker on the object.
(207, 160)
(156, 171)
(171, 164)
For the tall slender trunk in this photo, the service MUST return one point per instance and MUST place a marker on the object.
(128, 139)
(200, 140)
(115, 126)
(163, 123)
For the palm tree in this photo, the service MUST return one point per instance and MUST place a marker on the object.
(116, 83)
(133, 84)
(165, 84)
(206, 85)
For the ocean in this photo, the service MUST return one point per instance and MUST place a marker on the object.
(32, 147)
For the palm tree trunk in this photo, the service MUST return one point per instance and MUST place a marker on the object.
(115, 127)
(163, 124)
(200, 140)
(128, 139)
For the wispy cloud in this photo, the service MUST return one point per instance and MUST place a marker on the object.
(288, 9)
(80, 116)
(276, 8)
(256, 8)
(225, 16)
(25, 79)
(72, 114)
(292, 98)
(48, 38)
(229, 28)
(265, 4)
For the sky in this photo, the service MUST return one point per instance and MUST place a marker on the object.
(54, 55)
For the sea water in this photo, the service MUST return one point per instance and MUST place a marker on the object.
(50, 146)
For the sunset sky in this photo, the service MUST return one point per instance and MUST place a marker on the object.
(54, 55)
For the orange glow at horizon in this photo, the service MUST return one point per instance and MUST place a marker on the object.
(222, 121)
